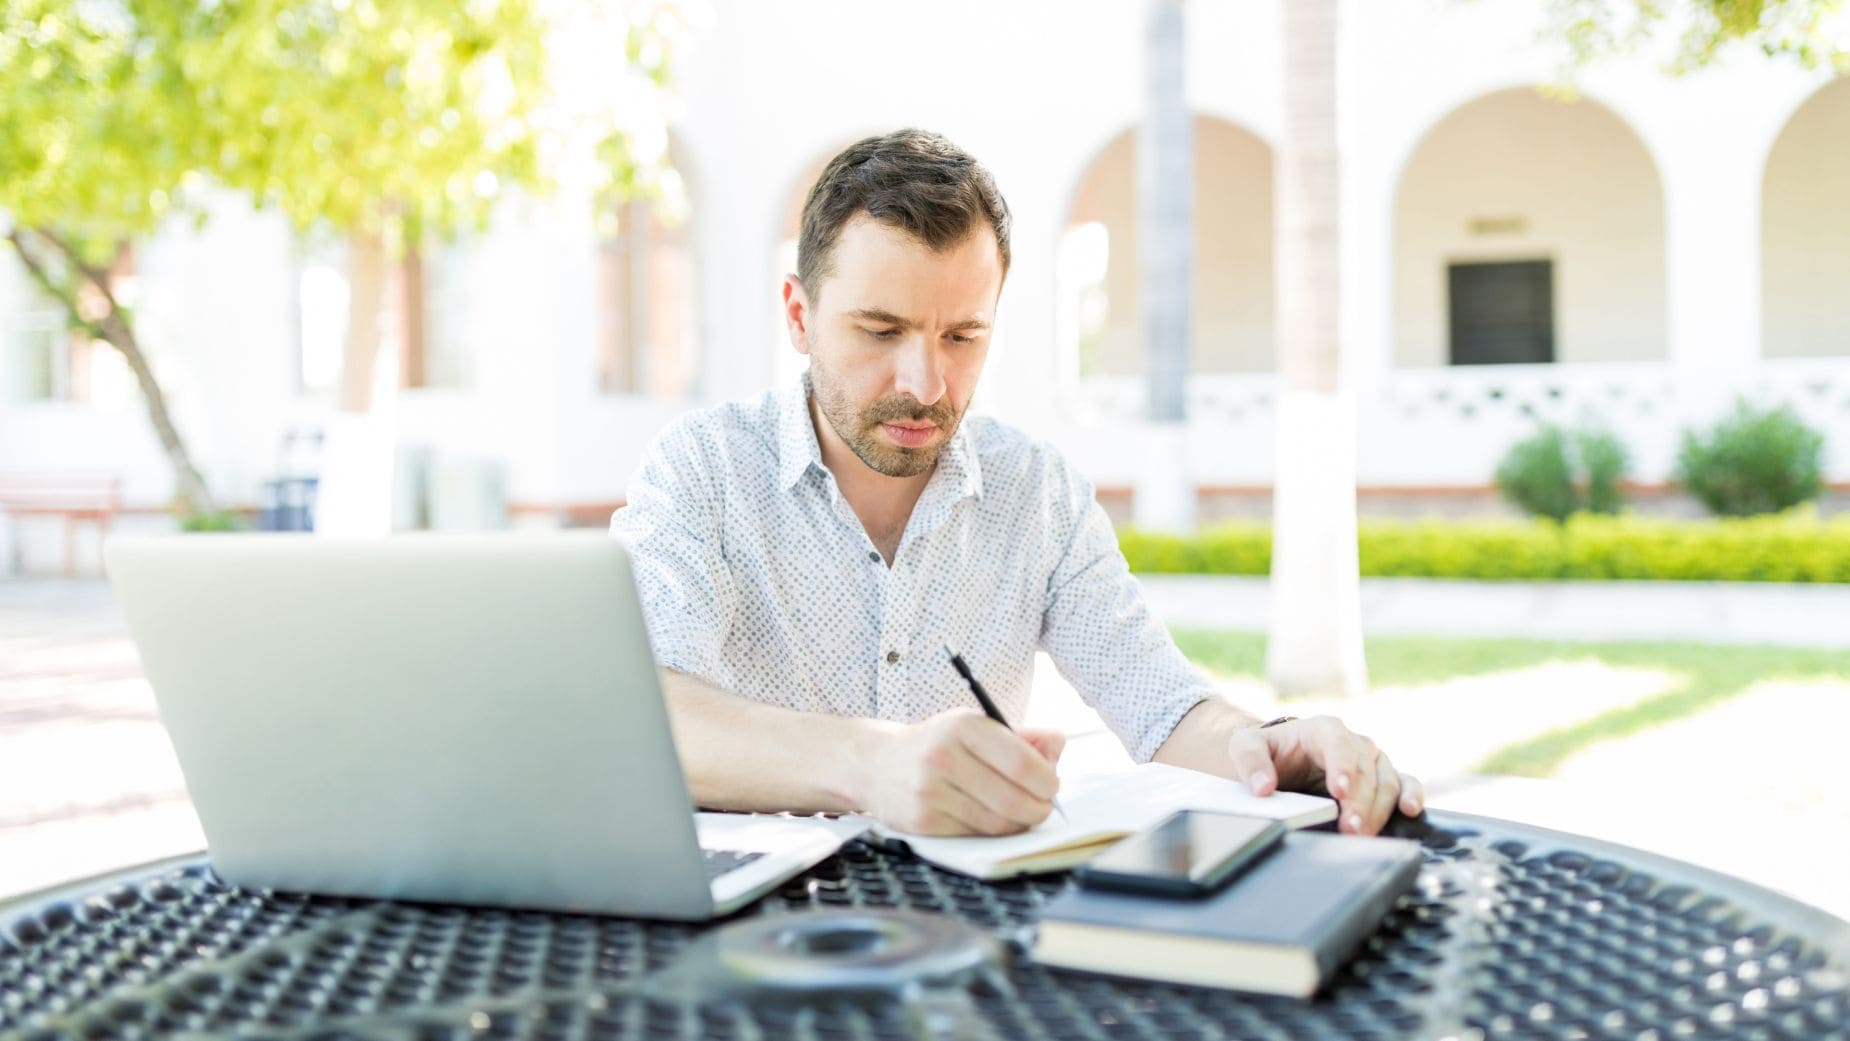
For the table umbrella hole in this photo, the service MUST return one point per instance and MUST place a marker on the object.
(839, 940)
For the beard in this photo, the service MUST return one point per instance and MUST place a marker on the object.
(859, 428)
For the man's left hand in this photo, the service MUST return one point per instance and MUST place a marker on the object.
(1321, 754)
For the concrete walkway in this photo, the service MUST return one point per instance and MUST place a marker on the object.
(1778, 614)
(88, 780)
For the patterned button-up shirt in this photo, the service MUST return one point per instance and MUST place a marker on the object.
(756, 576)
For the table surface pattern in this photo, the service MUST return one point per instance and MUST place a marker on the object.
(1510, 933)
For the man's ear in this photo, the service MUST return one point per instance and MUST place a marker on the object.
(797, 314)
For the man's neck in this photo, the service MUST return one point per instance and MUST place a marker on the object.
(884, 504)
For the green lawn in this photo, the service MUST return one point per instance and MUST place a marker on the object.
(1706, 676)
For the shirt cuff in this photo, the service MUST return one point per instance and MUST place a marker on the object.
(1164, 725)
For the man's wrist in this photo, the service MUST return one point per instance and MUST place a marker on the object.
(867, 743)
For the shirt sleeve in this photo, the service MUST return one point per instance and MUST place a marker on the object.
(672, 523)
(1103, 637)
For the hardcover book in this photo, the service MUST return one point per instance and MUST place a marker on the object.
(1283, 927)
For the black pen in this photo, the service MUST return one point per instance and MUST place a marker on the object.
(989, 707)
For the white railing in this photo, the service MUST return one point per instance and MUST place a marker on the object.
(1818, 389)
(1450, 426)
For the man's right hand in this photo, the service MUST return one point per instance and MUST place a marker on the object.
(962, 773)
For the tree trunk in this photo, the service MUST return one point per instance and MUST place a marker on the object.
(414, 344)
(366, 280)
(1165, 492)
(1315, 643)
(114, 326)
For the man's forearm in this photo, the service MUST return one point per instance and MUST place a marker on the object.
(1200, 740)
(740, 754)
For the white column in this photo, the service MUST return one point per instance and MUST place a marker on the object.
(1366, 182)
(1712, 181)
(1163, 493)
(1021, 378)
(1314, 642)
(1366, 273)
(1365, 300)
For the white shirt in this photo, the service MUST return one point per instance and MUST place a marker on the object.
(756, 576)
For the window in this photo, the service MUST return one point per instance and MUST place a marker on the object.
(323, 303)
(49, 361)
(437, 338)
(425, 292)
(45, 359)
(1502, 313)
(647, 341)
(41, 349)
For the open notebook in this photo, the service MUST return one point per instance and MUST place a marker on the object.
(1102, 808)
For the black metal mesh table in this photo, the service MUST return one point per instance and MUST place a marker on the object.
(1512, 933)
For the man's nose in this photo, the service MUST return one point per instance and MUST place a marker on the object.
(920, 371)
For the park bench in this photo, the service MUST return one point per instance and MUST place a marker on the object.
(70, 496)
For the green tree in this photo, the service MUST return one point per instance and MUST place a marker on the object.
(1814, 33)
(383, 119)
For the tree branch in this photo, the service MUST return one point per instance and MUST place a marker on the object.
(98, 277)
(115, 330)
(35, 266)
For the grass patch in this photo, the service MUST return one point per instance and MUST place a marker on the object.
(1705, 676)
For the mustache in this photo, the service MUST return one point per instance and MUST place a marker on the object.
(909, 410)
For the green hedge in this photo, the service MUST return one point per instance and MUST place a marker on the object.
(1790, 547)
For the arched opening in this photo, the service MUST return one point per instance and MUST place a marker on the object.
(1529, 230)
(1101, 321)
(1805, 230)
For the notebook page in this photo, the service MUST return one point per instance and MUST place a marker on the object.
(1107, 806)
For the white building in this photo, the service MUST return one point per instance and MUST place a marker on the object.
(1642, 254)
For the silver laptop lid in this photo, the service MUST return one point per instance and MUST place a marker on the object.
(459, 718)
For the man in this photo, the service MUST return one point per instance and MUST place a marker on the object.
(805, 558)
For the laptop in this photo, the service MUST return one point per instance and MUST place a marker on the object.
(470, 719)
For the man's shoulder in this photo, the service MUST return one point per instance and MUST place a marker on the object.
(1016, 462)
(732, 430)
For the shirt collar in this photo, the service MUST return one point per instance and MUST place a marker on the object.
(958, 463)
(798, 450)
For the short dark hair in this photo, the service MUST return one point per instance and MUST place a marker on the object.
(913, 180)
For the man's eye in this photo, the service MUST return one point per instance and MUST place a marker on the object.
(961, 338)
(883, 334)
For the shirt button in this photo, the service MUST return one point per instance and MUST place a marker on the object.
(873, 555)
(892, 657)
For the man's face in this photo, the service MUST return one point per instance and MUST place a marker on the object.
(897, 340)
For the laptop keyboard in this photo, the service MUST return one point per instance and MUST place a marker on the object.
(720, 861)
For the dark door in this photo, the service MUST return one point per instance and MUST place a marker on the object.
(1503, 313)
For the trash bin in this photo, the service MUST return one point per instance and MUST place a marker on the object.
(288, 504)
(288, 501)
